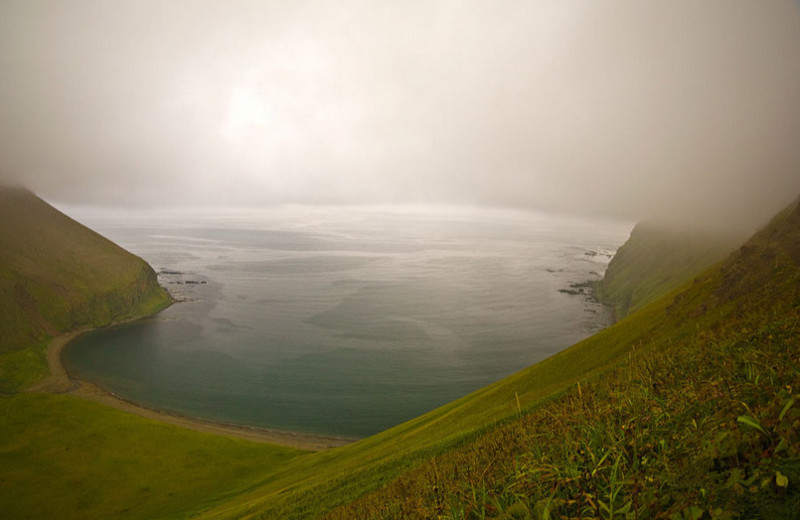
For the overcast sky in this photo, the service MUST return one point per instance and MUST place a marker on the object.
(618, 107)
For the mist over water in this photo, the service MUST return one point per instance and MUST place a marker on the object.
(679, 111)
(344, 320)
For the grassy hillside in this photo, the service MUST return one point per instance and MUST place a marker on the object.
(685, 408)
(700, 419)
(313, 484)
(656, 259)
(60, 456)
(66, 458)
(56, 276)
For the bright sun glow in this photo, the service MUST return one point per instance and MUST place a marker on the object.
(247, 109)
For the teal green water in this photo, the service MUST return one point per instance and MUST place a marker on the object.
(343, 321)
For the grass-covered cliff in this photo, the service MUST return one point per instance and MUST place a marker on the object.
(57, 276)
(698, 417)
(687, 408)
(657, 258)
(68, 458)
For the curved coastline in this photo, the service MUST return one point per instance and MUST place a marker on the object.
(61, 382)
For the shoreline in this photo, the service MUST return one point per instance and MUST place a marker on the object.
(61, 382)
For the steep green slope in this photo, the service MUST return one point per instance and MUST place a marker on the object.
(60, 456)
(313, 484)
(701, 418)
(56, 276)
(684, 407)
(659, 367)
(63, 457)
(657, 258)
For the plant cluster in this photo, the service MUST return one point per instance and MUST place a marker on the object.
(703, 425)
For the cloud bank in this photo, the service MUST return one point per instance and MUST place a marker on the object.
(622, 108)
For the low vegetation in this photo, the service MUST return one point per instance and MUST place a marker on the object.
(686, 409)
(657, 259)
(56, 276)
(663, 423)
(60, 456)
(63, 457)
(701, 425)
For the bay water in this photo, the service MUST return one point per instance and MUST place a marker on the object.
(343, 320)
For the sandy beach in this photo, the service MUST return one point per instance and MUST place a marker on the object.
(60, 382)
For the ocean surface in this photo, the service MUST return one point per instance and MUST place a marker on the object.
(343, 320)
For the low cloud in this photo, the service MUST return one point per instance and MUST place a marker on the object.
(683, 109)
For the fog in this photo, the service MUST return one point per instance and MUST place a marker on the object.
(623, 108)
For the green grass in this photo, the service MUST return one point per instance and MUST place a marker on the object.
(709, 426)
(21, 368)
(657, 259)
(685, 407)
(700, 420)
(326, 480)
(57, 276)
(62, 457)
(322, 481)
(473, 450)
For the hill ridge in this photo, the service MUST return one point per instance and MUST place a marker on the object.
(698, 419)
(58, 276)
(686, 408)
